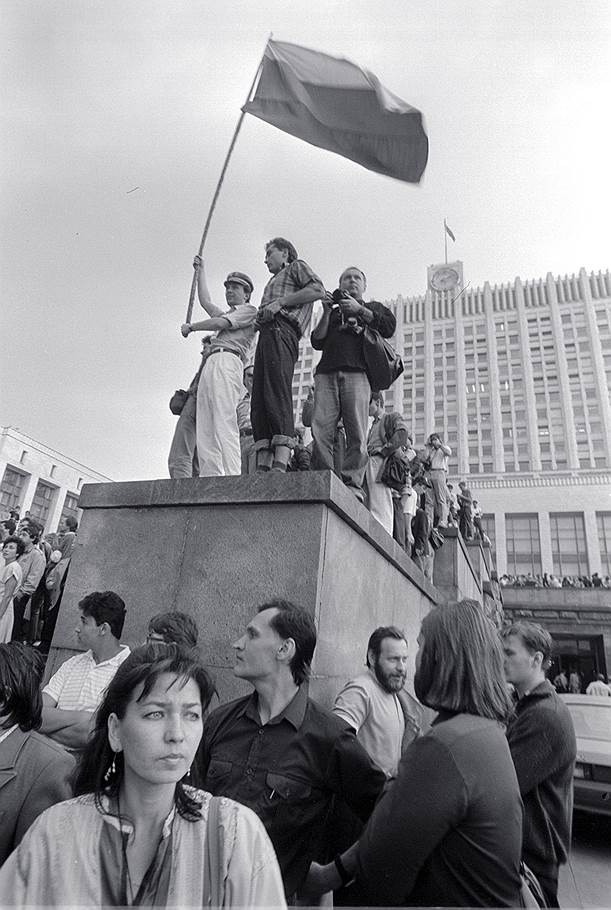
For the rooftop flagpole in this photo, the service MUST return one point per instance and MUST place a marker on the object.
(220, 182)
(445, 239)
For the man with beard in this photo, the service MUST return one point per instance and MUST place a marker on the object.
(385, 717)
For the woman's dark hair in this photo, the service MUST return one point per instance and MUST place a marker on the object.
(18, 541)
(21, 670)
(10, 525)
(292, 621)
(143, 668)
(71, 523)
(461, 663)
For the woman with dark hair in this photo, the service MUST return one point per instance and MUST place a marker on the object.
(448, 832)
(11, 577)
(35, 771)
(137, 833)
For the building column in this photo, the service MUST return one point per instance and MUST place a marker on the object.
(545, 537)
(494, 389)
(501, 543)
(592, 542)
(600, 378)
(462, 435)
(529, 387)
(28, 493)
(563, 374)
(429, 372)
(56, 509)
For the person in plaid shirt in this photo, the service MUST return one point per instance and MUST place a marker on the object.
(284, 315)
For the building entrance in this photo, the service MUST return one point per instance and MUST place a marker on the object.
(582, 654)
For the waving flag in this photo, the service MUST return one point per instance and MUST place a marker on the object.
(334, 104)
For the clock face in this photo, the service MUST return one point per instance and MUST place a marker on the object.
(444, 279)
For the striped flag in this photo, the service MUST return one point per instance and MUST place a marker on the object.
(448, 231)
(334, 104)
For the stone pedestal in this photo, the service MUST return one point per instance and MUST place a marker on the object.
(216, 548)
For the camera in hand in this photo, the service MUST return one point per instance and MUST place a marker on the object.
(349, 323)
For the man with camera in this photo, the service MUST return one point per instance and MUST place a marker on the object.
(342, 389)
(437, 500)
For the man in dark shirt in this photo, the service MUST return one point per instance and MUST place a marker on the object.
(280, 753)
(342, 386)
(542, 743)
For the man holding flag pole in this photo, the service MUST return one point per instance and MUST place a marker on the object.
(334, 104)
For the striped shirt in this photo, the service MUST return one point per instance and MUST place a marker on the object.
(293, 277)
(80, 682)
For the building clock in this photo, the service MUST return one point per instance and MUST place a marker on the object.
(444, 278)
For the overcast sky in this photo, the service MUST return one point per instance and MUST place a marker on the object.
(116, 118)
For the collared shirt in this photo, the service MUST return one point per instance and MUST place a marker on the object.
(240, 335)
(287, 771)
(80, 682)
(293, 277)
(377, 718)
(439, 458)
(7, 733)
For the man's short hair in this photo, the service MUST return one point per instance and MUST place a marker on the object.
(292, 621)
(281, 244)
(354, 268)
(378, 397)
(534, 638)
(176, 628)
(105, 606)
(32, 529)
(21, 669)
(376, 638)
(71, 522)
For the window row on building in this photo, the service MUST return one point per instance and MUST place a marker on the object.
(12, 488)
(568, 542)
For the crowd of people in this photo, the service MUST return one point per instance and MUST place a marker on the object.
(237, 414)
(33, 572)
(546, 580)
(124, 790)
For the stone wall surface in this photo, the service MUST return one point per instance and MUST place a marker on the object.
(217, 547)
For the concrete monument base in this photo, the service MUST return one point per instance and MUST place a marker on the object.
(216, 548)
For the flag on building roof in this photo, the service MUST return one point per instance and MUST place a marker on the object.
(448, 231)
(334, 104)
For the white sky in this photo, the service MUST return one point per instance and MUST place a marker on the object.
(103, 97)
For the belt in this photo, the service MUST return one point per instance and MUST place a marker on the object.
(224, 351)
(246, 431)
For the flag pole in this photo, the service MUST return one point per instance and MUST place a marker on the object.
(445, 239)
(220, 183)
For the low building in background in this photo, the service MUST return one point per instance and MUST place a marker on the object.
(35, 478)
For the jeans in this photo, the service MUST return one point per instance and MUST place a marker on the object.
(271, 408)
(342, 394)
(182, 460)
(436, 498)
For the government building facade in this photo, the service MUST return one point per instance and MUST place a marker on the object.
(516, 379)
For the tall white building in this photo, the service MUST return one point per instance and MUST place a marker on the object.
(516, 379)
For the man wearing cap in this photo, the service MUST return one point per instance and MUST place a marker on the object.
(220, 385)
(284, 316)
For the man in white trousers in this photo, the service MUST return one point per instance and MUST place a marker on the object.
(220, 386)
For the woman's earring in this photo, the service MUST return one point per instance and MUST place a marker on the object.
(112, 769)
